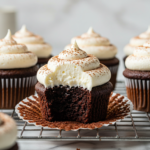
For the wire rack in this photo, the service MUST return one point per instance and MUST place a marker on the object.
(135, 127)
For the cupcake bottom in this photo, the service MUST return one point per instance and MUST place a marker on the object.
(15, 85)
(62, 103)
(138, 89)
(124, 59)
(113, 65)
(43, 61)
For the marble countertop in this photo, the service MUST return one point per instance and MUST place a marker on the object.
(41, 145)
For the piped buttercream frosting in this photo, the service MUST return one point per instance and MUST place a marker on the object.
(140, 59)
(8, 132)
(73, 67)
(34, 43)
(14, 55)
(137, 41)
(94, 44)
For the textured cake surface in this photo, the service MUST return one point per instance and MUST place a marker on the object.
(62, 103)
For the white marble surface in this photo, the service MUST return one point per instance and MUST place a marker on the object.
(34, 145)
(60, 20)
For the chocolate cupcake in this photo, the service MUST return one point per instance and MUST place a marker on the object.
(17, 72)
(74, 86)
(35, 44)
(100, 47)
(8, 133)
(137, 77)
(135, 42)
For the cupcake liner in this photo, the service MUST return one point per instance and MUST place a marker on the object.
(113, 70)
(13, 90)
(28, 109)
(138, 91)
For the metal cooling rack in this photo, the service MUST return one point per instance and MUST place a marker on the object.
(135, 127)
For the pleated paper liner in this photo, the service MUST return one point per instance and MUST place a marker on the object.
(138, 91)
(29, 110)
(13, 90)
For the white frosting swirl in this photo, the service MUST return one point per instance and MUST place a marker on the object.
(74, 53)
(96, 45)
(13, 55)
(140, 59)
(137, 41)
(33, 42)
(79, 69)
(8, 132)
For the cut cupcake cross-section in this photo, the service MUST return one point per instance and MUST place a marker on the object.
(74, 86)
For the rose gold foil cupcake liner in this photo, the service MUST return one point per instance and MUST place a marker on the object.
(113, 70)
(138, 91)
(28, 109)
(13, 90)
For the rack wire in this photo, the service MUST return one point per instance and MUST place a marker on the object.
(135, 127)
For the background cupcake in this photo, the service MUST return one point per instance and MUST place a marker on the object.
(17, 72)
(8, 133)
(137, 77)
(136, 41)
(35, 44)
(100, 47)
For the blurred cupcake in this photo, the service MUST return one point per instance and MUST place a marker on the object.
(136, 41)
(8, 133)
(17, 72)
(100, 47)
(137, 77)
(35, 44)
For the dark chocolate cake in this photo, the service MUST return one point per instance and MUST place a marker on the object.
(62, 103)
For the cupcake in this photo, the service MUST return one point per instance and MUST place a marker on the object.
(35, 44)
(74, 86)
(100, 47)
(137, 77)
(17, 72)
(136, 41)
(8, 133)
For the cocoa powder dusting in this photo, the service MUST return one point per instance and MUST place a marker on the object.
(117, 109)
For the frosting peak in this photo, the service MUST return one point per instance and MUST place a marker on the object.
(8, 36)
(90, 34)
(23, 29)
(90, 31)
(73, 53)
